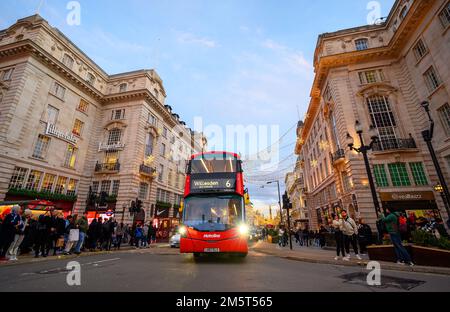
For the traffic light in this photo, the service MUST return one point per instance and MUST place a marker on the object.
(286, 202)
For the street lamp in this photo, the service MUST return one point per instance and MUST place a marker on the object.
(428, 138)
(363, 149)
(279, 198)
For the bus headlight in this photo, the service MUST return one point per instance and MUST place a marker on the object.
(243, 229)
(183, 231)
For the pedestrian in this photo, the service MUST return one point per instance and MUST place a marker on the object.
(350, 231)
(152, 234)
(18, 235)
(92, 235)
(338, 236)
(107, 230)
(42, 235)
(440, 228)
(144, 240)
(392, 227)
(60, 232)
(53, 235)
(306, 237)
(322, 239)
(403, 227)
(120, 231)
(30, 235)
(138, 235)
(82, 226)
(364, 236)
(73, 234)
(99, 234)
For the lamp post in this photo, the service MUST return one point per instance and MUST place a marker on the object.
(428, 138)
(279, 198)
(363, 149)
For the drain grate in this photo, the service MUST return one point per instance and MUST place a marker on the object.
(360, 278)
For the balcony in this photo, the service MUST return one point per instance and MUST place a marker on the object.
(394, 144)
(339, 155)
(146, 170)
(107, 167)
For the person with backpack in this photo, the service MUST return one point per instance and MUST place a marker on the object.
(138, 234)
(350, 231)
(392, 227)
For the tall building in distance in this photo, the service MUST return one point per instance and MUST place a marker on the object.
(379, 75)
(86, 140)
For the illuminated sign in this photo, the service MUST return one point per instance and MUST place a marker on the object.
(202, 185)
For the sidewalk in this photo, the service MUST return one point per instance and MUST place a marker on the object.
(29, 258)
(317, 255)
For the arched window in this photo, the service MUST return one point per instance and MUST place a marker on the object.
(382, 118)
(123, 87)
(362, 44)
(149, 145)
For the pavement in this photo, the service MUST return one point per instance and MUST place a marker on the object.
(326, 256)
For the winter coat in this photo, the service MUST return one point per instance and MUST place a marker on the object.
(349, 227)
(364, 233)
(391, 222)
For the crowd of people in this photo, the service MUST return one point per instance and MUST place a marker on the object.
(53, 234)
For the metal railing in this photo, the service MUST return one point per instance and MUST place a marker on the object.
(339, 154)
(107, 167)
(146, 169)
(394, 144)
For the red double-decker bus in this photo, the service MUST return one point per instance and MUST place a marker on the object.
(214, 208)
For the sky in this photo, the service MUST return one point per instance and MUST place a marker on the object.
(231, 62)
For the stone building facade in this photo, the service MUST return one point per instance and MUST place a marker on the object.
(73, 132)
(379, 75)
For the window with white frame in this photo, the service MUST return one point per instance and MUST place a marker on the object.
(383, 120)
(444, 116)
(432, 79)
(123, 87)
(164, 133)
(111, 157)
(83, 106)
(371, 76)
(52, 114)
(72, 187)
(58, 90)
(34, 178)
(115, 187)
(18, 177)
(118, 114)
(7, 74)
(444, 15)
(67, 61)
(149, 145)
(71, 156)
(114, 136)
(152, 120)
(162, 150)
(143, 191)
(61, 184)
(361, 44)
(420, 49)
(41, 146)
(47, 184)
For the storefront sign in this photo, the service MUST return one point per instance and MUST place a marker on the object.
(55, 132)
(111, 147)
(407, 196)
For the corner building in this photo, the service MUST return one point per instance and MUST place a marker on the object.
(379, 75)
(69, 132)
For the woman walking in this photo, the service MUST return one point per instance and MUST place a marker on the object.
(339, 237)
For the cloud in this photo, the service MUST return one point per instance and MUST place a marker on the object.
(190, 38)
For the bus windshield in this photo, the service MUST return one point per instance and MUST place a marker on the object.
(213, 213)
(214, 164)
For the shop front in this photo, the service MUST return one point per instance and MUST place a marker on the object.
(421, 204)
(65, 206)
(166, 221)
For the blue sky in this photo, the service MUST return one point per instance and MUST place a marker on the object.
(231, 62)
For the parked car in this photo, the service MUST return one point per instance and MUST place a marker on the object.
(175, 241)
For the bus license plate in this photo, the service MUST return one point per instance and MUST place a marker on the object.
(211, 250)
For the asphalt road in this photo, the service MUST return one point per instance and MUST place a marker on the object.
(166, 271)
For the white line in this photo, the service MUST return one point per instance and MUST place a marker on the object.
(101, 261)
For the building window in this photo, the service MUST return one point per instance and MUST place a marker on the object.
(444, 115)
(111, 157)
(71, 155)
(105, 187)
(444, 16)
(420, 50)
(346, 182)
(95, 186)
(418, 173)
(47, 184)
(114, 136)
(18, 177)
(7, 74)
(78, 127)
(361, 44)
(72, 187)
(383, 119)
(123, 87)
(115, 187)
(164, 132)
(52, 114)
(34, 178)
(161, 173)
(399, 174)
(41, 146)
(152, 120)
(380, 175)
(90, 79)
(58, 90)
(118, 114)
(403, 12)
(67, 61)
(162, 150)
(60, 187)
(371, 76)
(432, 79)
(83, 106)
(170, 178)
(149, 145)
(143, 191)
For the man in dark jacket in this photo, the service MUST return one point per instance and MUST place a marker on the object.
(8, 231)
(364, 235)
(107, 234)
(42, 235)
(100, 233)
(92, 235)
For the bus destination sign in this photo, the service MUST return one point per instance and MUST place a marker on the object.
(204, 185)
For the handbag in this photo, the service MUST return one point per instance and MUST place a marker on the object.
(74, 235)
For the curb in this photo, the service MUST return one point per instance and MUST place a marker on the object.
(363, 263)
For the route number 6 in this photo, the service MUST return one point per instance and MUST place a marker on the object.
(228, 184)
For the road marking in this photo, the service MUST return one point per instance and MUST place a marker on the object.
(101, 261)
